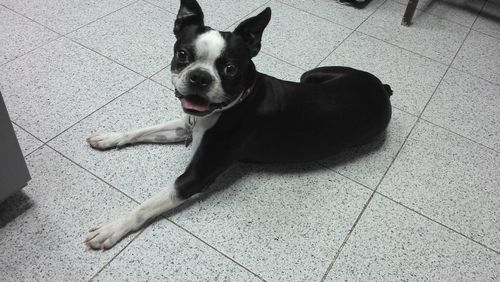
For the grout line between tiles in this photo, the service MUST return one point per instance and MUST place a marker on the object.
(247, 14)
(476, 76)
(435, 221)
(104, 105)
(331, 52)
(115, 256)
(458, 134)
(38, 147)
(156, 82)
(449, 66)
(107, 57)
(220, 252)
(159, 7)
(353, 31)
(49, 28)
(95, 20)
(279, 59)
(330, 267)
(58, 33)
(447, 129)
(317, 16)
(93, 174)
(32, 50)
(162, 216)
(408, 50)
(336, 172)
(486, 34)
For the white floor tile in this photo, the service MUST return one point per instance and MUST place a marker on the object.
(141, 170)
(467, 105)
(271, 66)
(19, 35)
(334, 11)
(65, 16)
(300, 38)
(139, 36)
(450, 179)
(393, 243)
(164, 252)
(43, 227)
(58, 84)
(480, 56)
(429, 35)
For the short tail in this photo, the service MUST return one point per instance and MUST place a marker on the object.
(388, 89)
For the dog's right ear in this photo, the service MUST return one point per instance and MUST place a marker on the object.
(189, 14)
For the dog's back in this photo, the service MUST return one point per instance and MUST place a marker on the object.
(331, 109)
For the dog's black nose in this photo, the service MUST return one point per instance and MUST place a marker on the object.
(200, 78)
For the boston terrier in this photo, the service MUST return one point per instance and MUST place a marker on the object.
(233, 113)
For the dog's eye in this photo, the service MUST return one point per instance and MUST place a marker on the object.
(230, 70)
(182, 56)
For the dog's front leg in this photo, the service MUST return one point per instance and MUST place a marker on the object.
(169, 132)
(205, 166)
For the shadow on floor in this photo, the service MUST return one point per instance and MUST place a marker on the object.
(13, 207)
(236, 173)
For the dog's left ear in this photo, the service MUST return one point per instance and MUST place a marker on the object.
(190, 13)
(251, 30)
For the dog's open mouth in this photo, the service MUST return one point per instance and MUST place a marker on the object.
(194, 104)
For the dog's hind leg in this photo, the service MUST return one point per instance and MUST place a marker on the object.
(169, 132)
(324, 74)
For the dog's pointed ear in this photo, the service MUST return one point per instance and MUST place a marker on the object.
(190, 13)
(251, 30)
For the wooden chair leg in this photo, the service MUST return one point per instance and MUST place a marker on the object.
(410, 10)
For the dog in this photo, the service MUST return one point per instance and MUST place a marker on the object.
(235, 114)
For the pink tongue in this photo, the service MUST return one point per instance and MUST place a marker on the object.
(190, 106)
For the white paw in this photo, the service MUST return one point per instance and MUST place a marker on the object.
(106, 236)
(108, 140)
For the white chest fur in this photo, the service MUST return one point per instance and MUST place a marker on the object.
(201, 125)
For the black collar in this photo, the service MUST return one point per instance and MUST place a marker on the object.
(243, 95)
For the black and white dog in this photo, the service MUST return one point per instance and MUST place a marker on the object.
(234, 113)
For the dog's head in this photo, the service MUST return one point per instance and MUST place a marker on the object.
(210, 68)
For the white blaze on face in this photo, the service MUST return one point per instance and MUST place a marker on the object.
(208, 47)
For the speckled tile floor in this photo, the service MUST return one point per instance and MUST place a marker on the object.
(420, 203)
